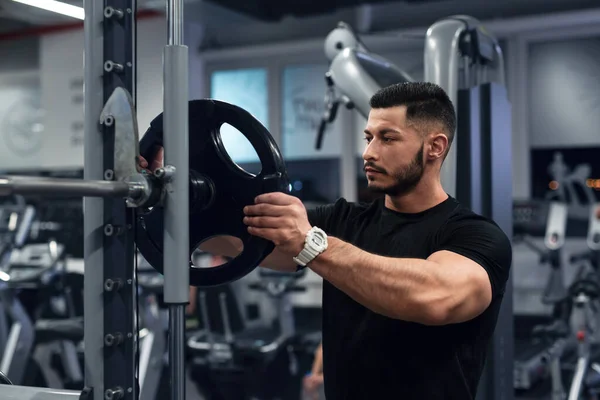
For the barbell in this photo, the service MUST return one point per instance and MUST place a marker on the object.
(218, 188)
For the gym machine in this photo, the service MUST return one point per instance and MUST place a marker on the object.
(18, 340)
(541, 358)
(466, 60)
(592, 254)
(35, 270)
(199, 188)
(231, 361)
(568, 345)
(15, 219)
(40, 268)
(584, 293)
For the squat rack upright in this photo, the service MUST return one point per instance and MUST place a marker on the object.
(110, 329)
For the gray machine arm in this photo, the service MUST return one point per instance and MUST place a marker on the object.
(355, 73)
(456, 49)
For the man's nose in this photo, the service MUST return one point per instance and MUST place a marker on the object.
(369, 153)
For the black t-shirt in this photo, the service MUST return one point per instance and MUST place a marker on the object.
(369, 356)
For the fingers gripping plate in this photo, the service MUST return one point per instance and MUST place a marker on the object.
(219, 189)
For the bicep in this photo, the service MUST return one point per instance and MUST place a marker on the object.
(485, 246)
(469, 284)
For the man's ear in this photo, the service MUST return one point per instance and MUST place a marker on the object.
(438, 145)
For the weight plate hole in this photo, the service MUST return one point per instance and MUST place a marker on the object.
(240, 150)
(203, 258)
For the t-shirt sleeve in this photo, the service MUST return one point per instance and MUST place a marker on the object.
(483, 242)
(324, 216)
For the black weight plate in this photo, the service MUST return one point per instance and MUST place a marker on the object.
(232, 189)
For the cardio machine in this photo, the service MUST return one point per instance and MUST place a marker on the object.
(16, 326)
(541, 358)
(231, 361)
(30, 278)
(36, 267)
(15, 219)
(584, 294)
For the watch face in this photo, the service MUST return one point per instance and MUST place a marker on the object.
(318, 240)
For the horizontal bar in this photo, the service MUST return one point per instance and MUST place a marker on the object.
(62, 187)
(10, 392)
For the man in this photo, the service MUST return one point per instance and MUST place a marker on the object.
(413, 282)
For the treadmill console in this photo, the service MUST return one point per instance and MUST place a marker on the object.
(530, 217)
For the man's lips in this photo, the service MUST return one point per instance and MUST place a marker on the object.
(369, 170)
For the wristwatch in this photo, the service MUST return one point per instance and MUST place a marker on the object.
(314, 244)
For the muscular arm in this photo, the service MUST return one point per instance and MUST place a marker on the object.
(443, 289)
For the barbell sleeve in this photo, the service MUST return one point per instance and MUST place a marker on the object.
(60, 187)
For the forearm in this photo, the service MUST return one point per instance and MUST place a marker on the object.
(408, 289)
(317, 366)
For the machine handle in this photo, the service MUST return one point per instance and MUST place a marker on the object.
(321, 133)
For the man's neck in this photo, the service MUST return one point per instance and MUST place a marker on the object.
(421, 198)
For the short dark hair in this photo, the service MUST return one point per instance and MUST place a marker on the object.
(425, 103)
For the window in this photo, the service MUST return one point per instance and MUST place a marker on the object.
(21, 121)
(248, 89)
(564, 100)
(303, 97)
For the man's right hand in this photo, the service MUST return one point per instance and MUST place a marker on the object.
(155, 163)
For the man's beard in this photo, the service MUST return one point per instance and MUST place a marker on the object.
(405, 180)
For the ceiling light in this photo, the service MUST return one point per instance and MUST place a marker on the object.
(57, 7)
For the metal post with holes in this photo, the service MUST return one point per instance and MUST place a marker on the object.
(110, 331)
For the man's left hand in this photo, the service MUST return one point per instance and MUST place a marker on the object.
(280, 218)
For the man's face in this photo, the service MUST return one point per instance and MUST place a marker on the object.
(393, 157)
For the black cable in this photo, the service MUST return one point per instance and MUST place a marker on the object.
(137, 299)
